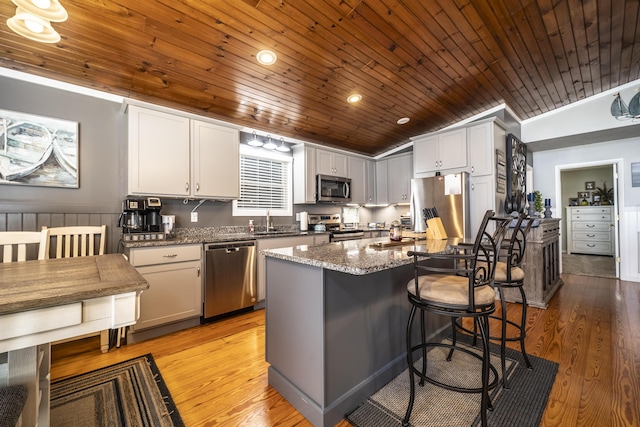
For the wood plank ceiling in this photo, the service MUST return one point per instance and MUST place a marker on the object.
(433, 61)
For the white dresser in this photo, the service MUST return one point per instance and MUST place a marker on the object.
(590, 230)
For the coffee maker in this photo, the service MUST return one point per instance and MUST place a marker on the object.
(153, 220)
(132, 218)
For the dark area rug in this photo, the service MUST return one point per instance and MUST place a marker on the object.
(521, 405)
(130, 393)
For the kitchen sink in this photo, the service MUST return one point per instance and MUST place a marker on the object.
(275, 233)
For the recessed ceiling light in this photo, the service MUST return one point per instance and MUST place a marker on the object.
(266, 57)
(356, 97)
(403, 120)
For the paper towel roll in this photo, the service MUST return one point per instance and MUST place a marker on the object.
(304, 221)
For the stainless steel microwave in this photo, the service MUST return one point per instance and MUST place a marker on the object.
(333, 189)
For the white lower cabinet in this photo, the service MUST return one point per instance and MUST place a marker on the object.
(175, 283)
(590, 230)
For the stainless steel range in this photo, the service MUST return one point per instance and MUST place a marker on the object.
(333, 224)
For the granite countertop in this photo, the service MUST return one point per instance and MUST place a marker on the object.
(31, 285)
(358, 257)
(198, 235)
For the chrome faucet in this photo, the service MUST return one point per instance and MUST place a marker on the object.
(269, 226)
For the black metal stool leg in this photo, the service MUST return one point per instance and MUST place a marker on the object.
(423, 340)
(523, 326)
(454, 337)
(412, 386)
(483, 324)
(503, 339)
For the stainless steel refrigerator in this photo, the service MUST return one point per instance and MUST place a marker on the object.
(449, 194)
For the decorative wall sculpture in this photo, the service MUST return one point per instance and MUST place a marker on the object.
(516, 174)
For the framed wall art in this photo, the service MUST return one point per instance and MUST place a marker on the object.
(584, 195)
(38, 150)
(590, 185)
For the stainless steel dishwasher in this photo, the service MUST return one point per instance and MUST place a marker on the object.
(229, 277)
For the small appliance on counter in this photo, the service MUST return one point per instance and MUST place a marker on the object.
(141, 220)
(168, 224)
(153, 220)
(333, 224)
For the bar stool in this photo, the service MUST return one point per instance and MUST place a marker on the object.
(462, 290)
(510, 275)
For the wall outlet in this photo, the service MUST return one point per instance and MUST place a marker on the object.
(297, 216)
(194, 216)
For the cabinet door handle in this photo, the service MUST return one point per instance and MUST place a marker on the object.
(591, 235)
(197, 186)
(186, 187)
(472, 169)
(170, 255)
(198, 271)
(590, 225)
(591, 246)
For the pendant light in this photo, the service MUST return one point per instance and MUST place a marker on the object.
(33, 19)
(270, 145)
(51, 10)
(33, 27)
(255, 142)
(282, 147)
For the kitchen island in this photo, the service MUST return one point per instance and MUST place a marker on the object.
(336, 316)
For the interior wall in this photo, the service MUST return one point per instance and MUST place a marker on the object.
(102, 133)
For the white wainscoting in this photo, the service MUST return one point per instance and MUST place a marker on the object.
(630, 244)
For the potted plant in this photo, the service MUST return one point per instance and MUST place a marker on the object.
(606, 194)
(537, 202)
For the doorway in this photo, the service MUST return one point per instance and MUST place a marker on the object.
(589, 185)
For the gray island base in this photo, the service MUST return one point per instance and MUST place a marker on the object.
(336, 317)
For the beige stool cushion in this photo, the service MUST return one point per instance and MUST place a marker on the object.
(517, 274)
(450, 289)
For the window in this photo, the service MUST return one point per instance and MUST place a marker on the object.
(265, 183)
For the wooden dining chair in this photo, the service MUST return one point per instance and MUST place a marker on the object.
(74, 241)
(19, 245)
(77, 241)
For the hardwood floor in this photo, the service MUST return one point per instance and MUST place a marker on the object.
(217, 374)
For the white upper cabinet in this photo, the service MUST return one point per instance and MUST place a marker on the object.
(382, 182)
(331, 163)
(370, 194)
(171, 155)
(304, 174)
(359, 179)
(483, 141)
(159, 153)
(400, 173)
(215, 161)
(445, 152)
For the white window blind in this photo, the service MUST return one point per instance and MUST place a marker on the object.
(265, 184)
